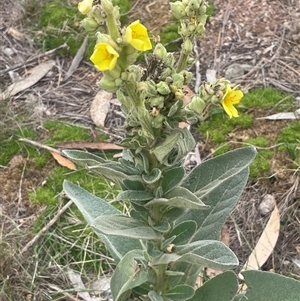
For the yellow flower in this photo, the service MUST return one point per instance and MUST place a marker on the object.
(85, 6)
(104, 57)
(137, 36)
(231, 97)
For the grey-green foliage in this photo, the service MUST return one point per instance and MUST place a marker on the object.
(180, 247)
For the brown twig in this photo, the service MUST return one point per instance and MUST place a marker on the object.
(35, 58)
(47, 227)
(37, 144)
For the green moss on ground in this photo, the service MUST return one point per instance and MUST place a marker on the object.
(217, 127)
(268, 98)
(289, 140)
(58, 23)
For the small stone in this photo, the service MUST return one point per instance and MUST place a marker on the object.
(267, 205)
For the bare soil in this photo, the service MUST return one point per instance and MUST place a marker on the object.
(264, 35)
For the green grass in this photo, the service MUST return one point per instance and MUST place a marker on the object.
(217, 127)
(289, 138)
(261, 165)
(268, 98)
(57, 22)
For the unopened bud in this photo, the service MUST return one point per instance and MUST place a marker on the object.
(197, 104)
(178, 10)
(163, 88)
(187, 46)
(89, 24)
(107, 6)
(108, 84)
(179, 94)
(160, 51)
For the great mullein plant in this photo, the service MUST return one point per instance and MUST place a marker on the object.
(171, 234)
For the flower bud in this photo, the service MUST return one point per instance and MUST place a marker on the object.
(89, 24)
(194, 5)
(187, 46)
(135, 73)
(97, 14)
(157, 121)
(157, 101)
(169, 60)
(85, 6)
(179, 94)
(108, 84)
(163, 88)
(160, 51)
(178, 79)
(105, 38)
(178, 10)
(197, 104)
(107, 6)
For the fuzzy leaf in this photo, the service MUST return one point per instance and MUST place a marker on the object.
(135, 195)
(181, 198)
(128, 275)
(180, 292)
(222, 287)
(153, 177)
(163, 149)
(154, 296)
(222, 201)
(265, 286)
(93, 207)
(210, 174)
(82, 157)
(183, 232)
(124, 226)
(172, 178)
(208, 253)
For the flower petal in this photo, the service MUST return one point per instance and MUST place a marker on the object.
(137, 36)
(104, 57)
(85, 6)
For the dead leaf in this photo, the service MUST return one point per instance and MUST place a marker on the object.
(63, 161)
(265, 244)
(100, 107)
(16, 34)
(77, 59)
(283, 116)
(37, 73)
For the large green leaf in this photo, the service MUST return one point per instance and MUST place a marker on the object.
(125, 226)
(180, 292)
(92, 207)
(172, 178)
(220, 288)
(179, 197)
(206, 253)
(210, 174)
(266, 286)
(154, 296)
(222, 201)
(138, 196)
(183, 232)
(127, 275)
(83, 158)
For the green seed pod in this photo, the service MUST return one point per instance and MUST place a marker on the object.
(163, 88)
(135, 73)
